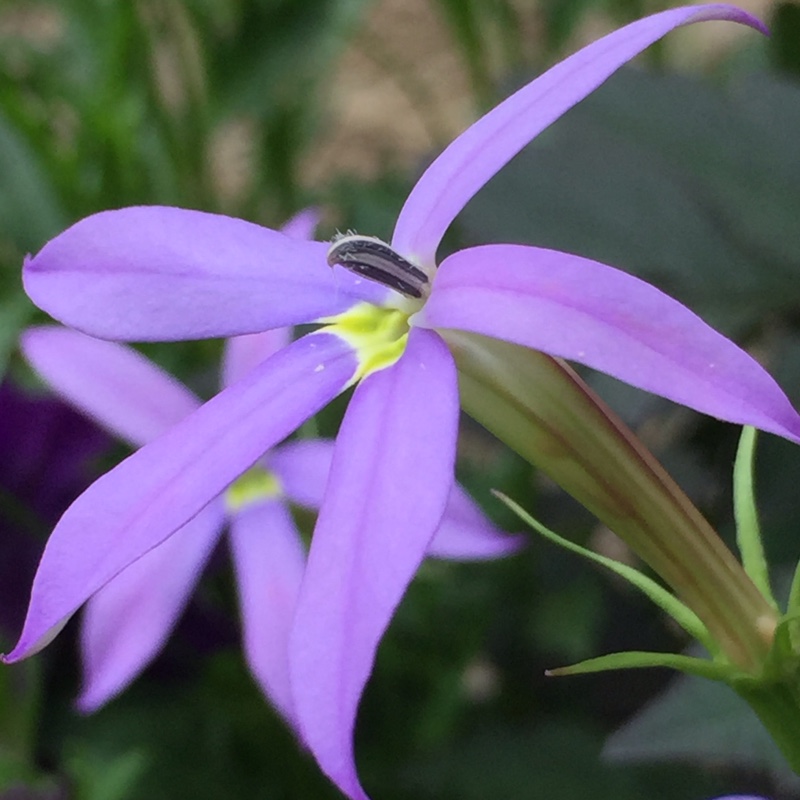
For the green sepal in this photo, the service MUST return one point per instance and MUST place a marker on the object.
(542, 409)
(748, 530)
(666, 601)
(776, 705)
(637, 659)
(775, 695)
(793, 610)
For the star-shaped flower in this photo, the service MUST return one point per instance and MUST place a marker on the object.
(167, 273)
(127, 621)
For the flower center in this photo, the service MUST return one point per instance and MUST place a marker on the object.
(254, 486)
(377, 334)
(376, 261)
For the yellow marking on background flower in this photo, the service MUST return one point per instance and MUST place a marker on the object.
(255, 486)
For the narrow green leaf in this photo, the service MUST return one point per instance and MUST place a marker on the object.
(667, 602)
(748, 530)
(637, 660)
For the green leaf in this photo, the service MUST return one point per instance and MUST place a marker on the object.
(207, 737)
(785, 29)
(748, 530)
(667, 602)
(793, 610)
(699, 721)
(19, 717)
(106, 779)
(553, 759)
(700, 667)
(15, 313)
(486, 31)
(29, 207)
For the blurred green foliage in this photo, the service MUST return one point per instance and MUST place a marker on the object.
(690, 182)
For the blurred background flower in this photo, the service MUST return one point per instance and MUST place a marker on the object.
(50, 455)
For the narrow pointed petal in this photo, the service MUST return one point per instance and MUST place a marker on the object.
(151, 494)
(116, 386)
(243, 353)
(390, 478)
(466, 533)
(156, 273)
(485, 147)
(128, 621)
(269, 560)
(303, 467)
(584, 311)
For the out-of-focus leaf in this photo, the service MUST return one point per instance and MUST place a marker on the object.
(785, 39)
(483, 31)
(561, 18)
(207, 737)
(19, 713)
(567, 621)
(101, 779)
(700, 722)
(274, 50)
(558, 760)
(30, 212)
(15, 312)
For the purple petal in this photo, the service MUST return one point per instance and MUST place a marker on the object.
(269, 560)
(578, 309)
(127, 622)
(485, 147)
(465, 532)
(303, 468)
(391, 474)
(243, 353)
(303, 224)
(151, 494)
(156, 273)
(116, 386)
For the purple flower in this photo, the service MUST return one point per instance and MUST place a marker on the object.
(165, 273)
(127, 621)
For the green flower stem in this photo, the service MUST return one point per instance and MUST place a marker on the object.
(542, 409)
(777, 705)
